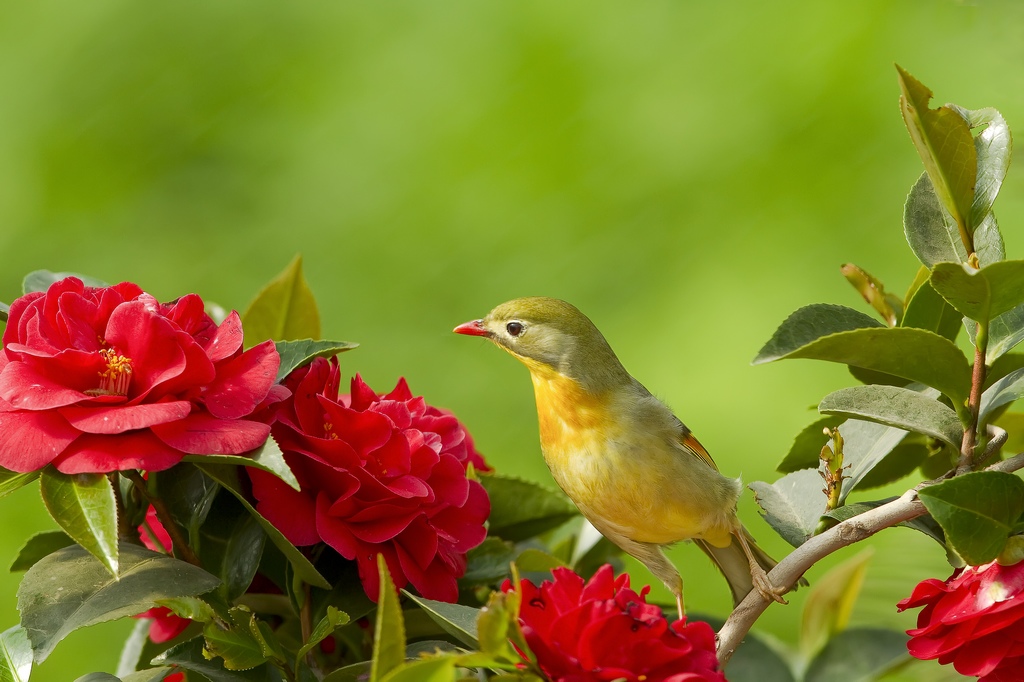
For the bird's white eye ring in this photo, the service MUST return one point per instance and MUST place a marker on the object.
(514, 328)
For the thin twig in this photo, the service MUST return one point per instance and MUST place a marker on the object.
(970, 440)
(178, 540)
(789, 570)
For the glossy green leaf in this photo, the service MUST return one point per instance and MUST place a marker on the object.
(914, 354)
(295, 354)
(538, 561)
(439, 669)
(923, 524)
(981, 294)
(1002, 392)
(15, 655)
(228, 478)
(895, 406)
(927, 310)
(10, 481)
(234, 644)
(84, 506)
(148, 675)
(231, 546)
(809, 324)
(40, 280)
(901, 461)
(389, 629)
(189, 656)
(268, 457)
(489, 561)
(992, 146)
(866, 444)
(284, 309)
(859, 655)
(933, 235)
(496, 626)
(70, 589)
(944, 141)
(1004, 333)
(324, 629)
(38, 546)
(192, 608)
(792, 505)
(457, 620)
(977, 512)
(521, 509)
(805, 451)
(188, 494)
(5, 310)
(1002, 366)
(98, 677)
(830, 602)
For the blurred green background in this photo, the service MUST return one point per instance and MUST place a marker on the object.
(685, 173)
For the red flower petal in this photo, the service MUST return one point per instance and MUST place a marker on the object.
(291, 511)
(31, 440)
(243, 382)
(227, 340)
(149, 341)
(102, 454)
(28, 385)
(121, 418)
(201, 434)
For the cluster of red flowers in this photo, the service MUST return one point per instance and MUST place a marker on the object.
(379, 475)
(106, 379)
(602, 630)
(974, 620)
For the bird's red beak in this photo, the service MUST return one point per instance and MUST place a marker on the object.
(474, 328)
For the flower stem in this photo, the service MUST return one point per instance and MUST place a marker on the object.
(970, 441)
(178, 540)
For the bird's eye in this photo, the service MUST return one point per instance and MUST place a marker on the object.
(514, 328)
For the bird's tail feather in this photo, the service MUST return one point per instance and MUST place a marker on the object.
(733, 564)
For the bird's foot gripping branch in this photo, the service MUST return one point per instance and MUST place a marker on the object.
(265, 521)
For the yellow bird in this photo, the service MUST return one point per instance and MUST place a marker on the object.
(633, 469)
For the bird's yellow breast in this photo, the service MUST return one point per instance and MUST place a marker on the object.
(620, 474)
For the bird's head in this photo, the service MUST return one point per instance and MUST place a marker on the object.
(547, 333)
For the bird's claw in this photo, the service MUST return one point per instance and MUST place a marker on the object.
(768, 590)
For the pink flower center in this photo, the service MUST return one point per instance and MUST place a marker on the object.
(115, 379)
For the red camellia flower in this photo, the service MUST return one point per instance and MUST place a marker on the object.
(100, 379)
(379, 475)
(165, 625)
(974, 620)
(602, 630)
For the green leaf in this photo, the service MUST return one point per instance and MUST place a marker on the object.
(977, 512)
(981, 294)
(324, 629)
(190, 656)
(38, 546)
(992, 146)
(489, 561)
(913, 354)
(98, 677)
(15, 655)
(1004, 333)
(10, 481)
(295, 354)
(944, 141)
(148, 675)
(809, 324)
(933, 235)
(457, 620)
(234, 642)
(923, 524)
(228, 478)
(231, 546)
(792, 505)
(437, 669)
(284, 309)
(538, 561)
(1004, 365)
(389, 630)
(521, 509)
(866, 444)
(805, 451)
(894, 406)
(84, 506)
(927, 310)
(192, 608)
(901, 461)
(871, 289)
(267, 457)
(88, 594)
(5, 310)
(1002, 392)
(830, 602)
(188, 494)
(859, 655)
(40, 280)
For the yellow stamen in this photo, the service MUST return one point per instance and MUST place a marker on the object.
(115, 379)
